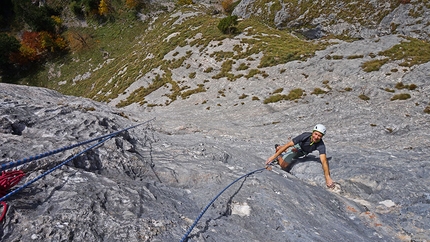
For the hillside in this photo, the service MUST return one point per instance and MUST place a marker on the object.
(221, 102)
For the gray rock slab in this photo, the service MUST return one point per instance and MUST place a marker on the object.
(151, 183)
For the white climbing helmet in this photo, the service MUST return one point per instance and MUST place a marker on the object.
(320, 128)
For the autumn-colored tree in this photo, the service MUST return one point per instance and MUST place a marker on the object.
(103, 7)
(31, 46)
(37, 45)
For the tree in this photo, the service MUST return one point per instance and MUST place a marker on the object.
(38, 18)
(228, 24)
(103, 7)
(8, 45)
(6, 13)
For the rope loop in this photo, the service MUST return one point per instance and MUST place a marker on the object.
(8, 179)
(185, 237)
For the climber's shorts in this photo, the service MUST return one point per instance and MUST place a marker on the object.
(289, 154)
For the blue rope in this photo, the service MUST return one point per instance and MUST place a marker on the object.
(49, 153)
(213, 200)
(56, 167)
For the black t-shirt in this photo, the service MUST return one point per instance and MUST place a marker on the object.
(304, 140)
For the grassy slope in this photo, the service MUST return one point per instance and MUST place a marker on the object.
(136, 48)
(120, 53)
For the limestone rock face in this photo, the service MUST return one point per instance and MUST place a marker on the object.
(150, 183)
(328, 17)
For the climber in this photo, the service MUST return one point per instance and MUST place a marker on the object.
(301, 146)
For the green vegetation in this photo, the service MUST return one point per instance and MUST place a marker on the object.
(278, 47)
(308, 10)
(104, 60)
(8, 45)
(293, 95)
(252, 73)
(226, 68)
(208, 70)
(355, 57)
(192, 75)
(279, 90)
(318, 91)
(242, 67)
(116, 50)
(228, 25)
(401, 86)
(373, 65)
(200, 88)
(243, 96)
(411, 52)
(402, 96)
(363, 97)
(337, 57)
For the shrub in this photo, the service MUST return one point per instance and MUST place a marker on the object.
(279, 90)
(295, 94)
(402, 96)
(8, 45)
(228, 25)
(318, 91)
(400, 86)
(412, 87)
(427, 109)
(364, 97)
(243, 96)
(242, 67)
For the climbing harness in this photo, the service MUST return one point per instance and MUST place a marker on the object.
(185, 237)
(11, 178)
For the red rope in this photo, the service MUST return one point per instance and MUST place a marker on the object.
(8, 179)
